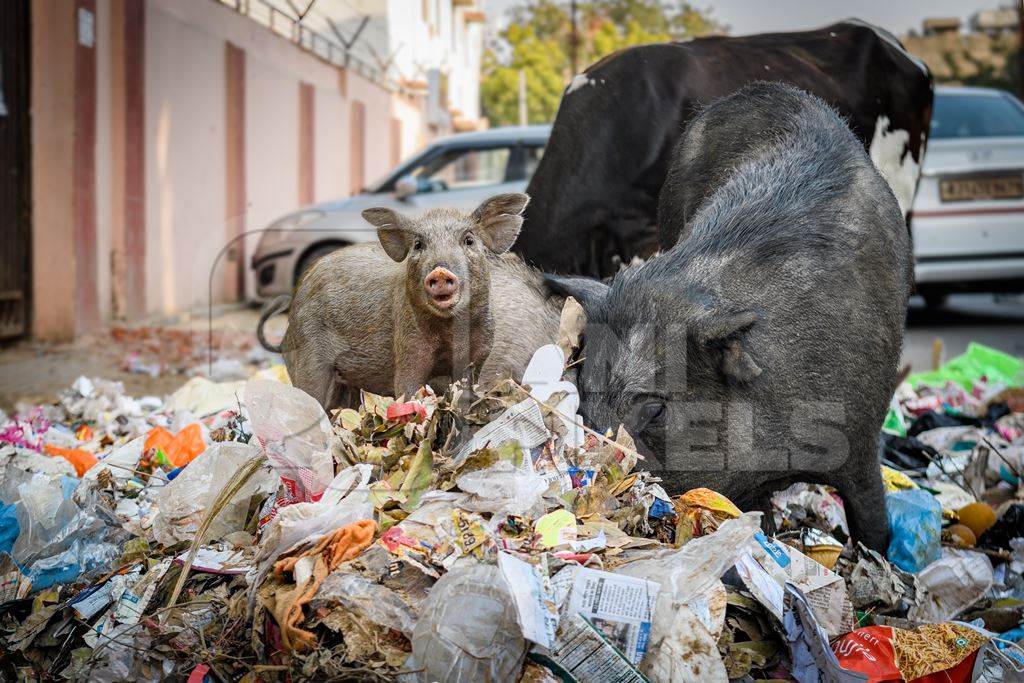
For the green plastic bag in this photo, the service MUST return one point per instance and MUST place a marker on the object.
(977, 362)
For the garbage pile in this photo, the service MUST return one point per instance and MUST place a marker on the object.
(235, 531)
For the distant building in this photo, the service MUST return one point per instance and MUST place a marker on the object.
(979, 56)
(140, 140)
(411, 42)
(995, 22)
(940, 26)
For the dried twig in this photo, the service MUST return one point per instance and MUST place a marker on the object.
(154, 475)
(1002, 457)
(229, 490)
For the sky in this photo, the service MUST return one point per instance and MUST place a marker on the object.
(760, 16)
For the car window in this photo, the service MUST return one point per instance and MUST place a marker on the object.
(533, 157)
(976, 116)
(463, 168)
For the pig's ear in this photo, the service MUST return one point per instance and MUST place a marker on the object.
(390, 231)
(725, 335)
(588, 292)
(499, 220)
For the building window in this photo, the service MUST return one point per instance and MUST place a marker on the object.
(462, 169)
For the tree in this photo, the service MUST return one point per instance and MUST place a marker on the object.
(538, 39)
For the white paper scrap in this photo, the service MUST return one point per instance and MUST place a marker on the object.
(86, 606)
(216, 561)
(770, 565)
(523, 422)
(534, 599)
(621, 607)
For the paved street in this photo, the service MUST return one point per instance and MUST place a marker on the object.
(993, 321)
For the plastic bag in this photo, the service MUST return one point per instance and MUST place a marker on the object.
(344, 501)
(953, 583)
(367, 600)
(9, 528)
(82, 461)
(200, 396)
(119, 462)
(503, 489)
(178, 449)
(810, 505)
(468, 630)
(22, 460)
(59, 539)
(83, 556)
(686, 576)
(932, 653)
(294, 429)
(977, 362)
(1009, 526)
(812, 659)
(182, 503)
(45, 518)
(695, 568)
(915, 527)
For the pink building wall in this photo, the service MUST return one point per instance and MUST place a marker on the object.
(164, 184)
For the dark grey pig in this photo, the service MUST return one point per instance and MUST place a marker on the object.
(436, 297)
(762, 349)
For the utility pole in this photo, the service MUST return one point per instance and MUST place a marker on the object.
(573, 39)
(523, 119)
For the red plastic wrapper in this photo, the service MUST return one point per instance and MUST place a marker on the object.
(84, 432)
(407, 412)
(933, 653)
(925, 404)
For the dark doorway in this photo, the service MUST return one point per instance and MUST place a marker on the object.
(15, 168)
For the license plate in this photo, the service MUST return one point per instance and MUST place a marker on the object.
(975, 188)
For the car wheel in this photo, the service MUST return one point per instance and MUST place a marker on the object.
(935, 300)
(313, 256)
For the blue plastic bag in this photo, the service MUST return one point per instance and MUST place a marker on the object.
(9, 528)
(915, 529)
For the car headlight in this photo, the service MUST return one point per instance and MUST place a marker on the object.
(280, 230)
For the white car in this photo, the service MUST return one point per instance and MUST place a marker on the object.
(968, 215)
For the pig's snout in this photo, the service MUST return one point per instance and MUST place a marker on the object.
(442, 286)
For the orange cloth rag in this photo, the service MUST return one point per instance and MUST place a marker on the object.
(339, 546)
(82, 460)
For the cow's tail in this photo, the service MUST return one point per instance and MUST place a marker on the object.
(270, 309)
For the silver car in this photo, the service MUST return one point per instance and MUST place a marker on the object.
(968, 215)
(460, 171)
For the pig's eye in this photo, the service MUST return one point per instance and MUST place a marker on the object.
(650, 411)
(417, 245)
(469, 241)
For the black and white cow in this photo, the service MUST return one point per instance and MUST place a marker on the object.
(594, 195)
